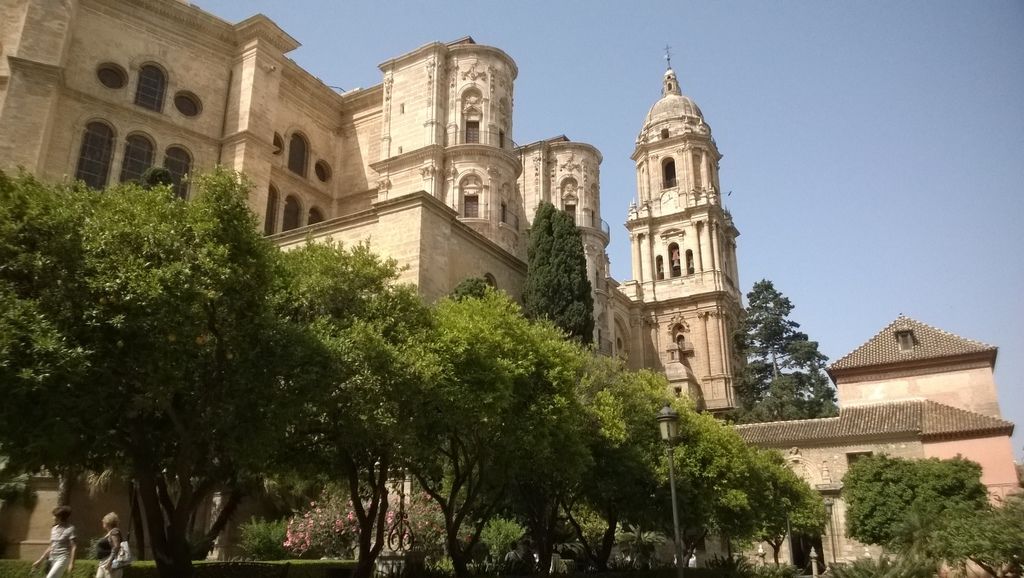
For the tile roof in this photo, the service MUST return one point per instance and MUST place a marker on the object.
(914, 417)
(929, 343)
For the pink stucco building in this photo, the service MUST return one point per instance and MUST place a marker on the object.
(910, 391)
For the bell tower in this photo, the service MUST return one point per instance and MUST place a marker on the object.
(683, 249)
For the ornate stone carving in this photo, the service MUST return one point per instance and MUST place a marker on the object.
(494, 172)
(571, 164)
(471, 103)
(428, 172)
(384, 184)
(388, 82)
(431, 66)
(473, 74)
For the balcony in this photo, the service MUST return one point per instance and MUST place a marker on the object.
(496, 139)
(592, 222)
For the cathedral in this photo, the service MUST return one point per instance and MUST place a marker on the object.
(423, 167)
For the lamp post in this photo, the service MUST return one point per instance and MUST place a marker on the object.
(829, 504)
(668, 422)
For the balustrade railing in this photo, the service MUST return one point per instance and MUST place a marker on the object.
(495, 138)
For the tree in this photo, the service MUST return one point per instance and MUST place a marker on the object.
(992, 537)
(620, 406)
(784, 377)
(785, 503)
(716, 479)
(353, 424)
(882, 493)
(475, 287)
(136, 333)
(557, 285)
(496, 393)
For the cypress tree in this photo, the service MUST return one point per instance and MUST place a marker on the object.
(557, 284)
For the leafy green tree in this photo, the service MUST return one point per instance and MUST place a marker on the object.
(475, 287)
(496, 393)
(500, 535)
(557, 285)
(620, 406)
(785, 503)
(992, 537)
(716, 479)
(882, 493)
(784, 377)
(351, 427)
(136, 332)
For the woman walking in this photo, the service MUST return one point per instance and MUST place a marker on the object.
(61, 552)
(108, 548)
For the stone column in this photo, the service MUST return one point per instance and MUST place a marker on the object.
(635, 257)
(712, 239)
(702, 249)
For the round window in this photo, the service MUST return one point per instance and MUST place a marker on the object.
(323, 171)
(112, 75)
(187, 103)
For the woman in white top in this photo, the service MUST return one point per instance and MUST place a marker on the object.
(62, 545)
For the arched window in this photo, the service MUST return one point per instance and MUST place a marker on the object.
(673, 260)
(179, 163)
(504, 212)
(668, 174)
(150, 91)
(315, 216)
(470, 188)
(659, 267)
(298, 154)
(138, 156)
(292, 211)
(490, 280)
(471, 115)
(270, 221)
(94, 156)
(689, 262)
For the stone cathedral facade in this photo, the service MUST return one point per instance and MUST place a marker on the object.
(423, 166)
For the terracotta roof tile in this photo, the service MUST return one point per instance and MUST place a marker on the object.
(916, 417)
(928, 343)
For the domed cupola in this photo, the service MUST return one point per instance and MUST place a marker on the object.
(674, 112)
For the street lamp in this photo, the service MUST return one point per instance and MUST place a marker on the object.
(829, 504)
(668, 422)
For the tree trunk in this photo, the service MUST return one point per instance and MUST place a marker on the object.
(167, 524)
(459, 557)
(543, 530)
(775, 551)
(136, 522)
(65, 481)
(227, 511)
(607, 542)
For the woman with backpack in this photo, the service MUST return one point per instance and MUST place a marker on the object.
(61, 552)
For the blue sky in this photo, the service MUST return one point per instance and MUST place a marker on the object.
(874, 150)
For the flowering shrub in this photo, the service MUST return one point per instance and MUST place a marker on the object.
(427, 523)
(328, 528)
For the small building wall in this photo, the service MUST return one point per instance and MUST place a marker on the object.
(994, 454)
(970, 386)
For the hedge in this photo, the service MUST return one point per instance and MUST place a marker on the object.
(147, 569)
